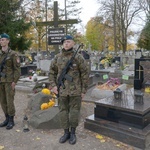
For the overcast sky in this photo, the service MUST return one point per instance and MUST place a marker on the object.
(89, 9)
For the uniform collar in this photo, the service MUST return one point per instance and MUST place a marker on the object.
(67, 52)
(8, 51)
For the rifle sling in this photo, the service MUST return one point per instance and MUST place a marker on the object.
(4, 60)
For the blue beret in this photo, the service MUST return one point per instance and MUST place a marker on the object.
(4, 35)
(67, 37)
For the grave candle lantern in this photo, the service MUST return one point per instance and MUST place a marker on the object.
(118, 94)
(25, 124)
(147, 87)
(139, 97)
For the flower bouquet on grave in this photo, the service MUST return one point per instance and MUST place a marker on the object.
(105, 63)
(30, 73)
(109, 58)
(38, 71)
(111, 84)
(53, 101)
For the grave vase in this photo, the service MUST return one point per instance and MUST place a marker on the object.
(106, 65)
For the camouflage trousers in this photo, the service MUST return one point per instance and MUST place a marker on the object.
(7, 98)
(69, 107)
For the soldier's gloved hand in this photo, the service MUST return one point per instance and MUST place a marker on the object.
(82, 95)
(13, 84)
(54, 89)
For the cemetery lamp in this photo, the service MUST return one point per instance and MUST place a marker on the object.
(25, 124)
(139, 97)
(118, 94)
(147, 87)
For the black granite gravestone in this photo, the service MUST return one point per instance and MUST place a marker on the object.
(25, 69)
(116, 59)
(124, 120)
(140, 73)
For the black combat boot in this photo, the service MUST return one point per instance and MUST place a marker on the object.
(72, 139)
(65, 137)
(10, 123)
(3, 124)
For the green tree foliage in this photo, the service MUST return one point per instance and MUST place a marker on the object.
(36, 12)
(94, 34)
(99, 34)
(12, 23)
(144, 39)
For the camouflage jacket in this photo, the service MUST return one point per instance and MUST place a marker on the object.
(11, 68)
(79, 72)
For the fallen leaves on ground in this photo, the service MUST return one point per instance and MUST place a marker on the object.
(1, 147)
(101, 138)
(37, 138)
(118, 144)
(17, 130)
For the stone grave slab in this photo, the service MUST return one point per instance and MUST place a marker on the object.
(123, 120)
(27, 84)
(39, 78)
(99, 94)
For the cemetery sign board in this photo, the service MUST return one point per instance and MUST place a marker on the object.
(55, 35)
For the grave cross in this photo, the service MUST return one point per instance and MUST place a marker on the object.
(140, 72)
(56, 21)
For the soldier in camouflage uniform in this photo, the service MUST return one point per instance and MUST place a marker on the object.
(9, 76)
(71, 96)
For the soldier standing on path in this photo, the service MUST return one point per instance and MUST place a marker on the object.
(70, 96)
(9, 75)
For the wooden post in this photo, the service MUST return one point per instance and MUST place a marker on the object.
(56, 23)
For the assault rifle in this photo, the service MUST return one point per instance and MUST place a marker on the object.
(64, 76)
(2, 66)
(1, 69)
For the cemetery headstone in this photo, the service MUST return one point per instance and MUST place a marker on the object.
(141, 72)
(146, 71)
(25, 70)
(138, 53)
(45, 64)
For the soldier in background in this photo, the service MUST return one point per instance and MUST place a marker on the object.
(9, 75)
(71, 96)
